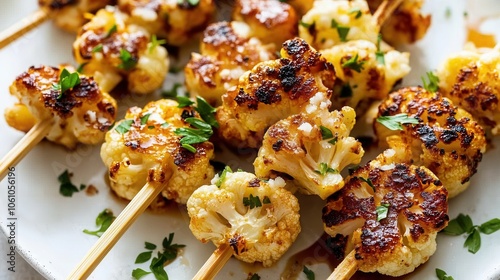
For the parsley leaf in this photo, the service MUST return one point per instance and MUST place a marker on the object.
(252, 201)
(222, 176)
(309, 273)
(190, 2)
(149, 246)
(66, 188)
(266, 200)
(379, 54)
(441, 275)
(199, 134)
(395, 122)
(97, 48)
(356, 11)
(206, 111)
(67, 81)
(124, 126)
(368, 181)
(139, 273)
(253, 276)
(104, 220)
(128, 62)
(184, 101)
(342, 30)
(143, 257)
(382, 211)
(157, 268)
(324, 168)
(490, 226)
(432, 84)
(145, 118)
(112, 30)
(326, 133)
(354, 64)
(305, 24)
(155, 43)
(460, 225)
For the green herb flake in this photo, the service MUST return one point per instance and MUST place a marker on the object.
(305, 24)
(222, 176)
(66, 188)
(143, 257)
(80, 67)
(128, 62)
(431, 84)
(206, 111)
(155, 43)
(184, 101)
(309, 273)
(396, 122)
(252, 201)
(149, 246)
(103, 220)
(67, 81)
(368, 181)
(442, 275)
(379, 54)
(253, 276)
(342, 30)
(333, 141)
(324, 168)
(145, 118)
(112, 30)
(157, 268)
(356, 11)
(346, 91)
(192, 3)
(490, 226)
(354, 64)
(266, 200)
(124, 126)
(138, 273)
(326, 133)
(199, 134)
(97, 48)
(473, 241)
(165, 125)
(382, 211)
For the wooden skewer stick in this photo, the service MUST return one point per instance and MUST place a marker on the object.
(215, 263)
(33, 137)
(385, 10)
(22, 27)
(346, 268)
(126, 218)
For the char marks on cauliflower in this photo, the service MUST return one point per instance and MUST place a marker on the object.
(258, 219)
(81, 114)
(395, 244)
(446, 139)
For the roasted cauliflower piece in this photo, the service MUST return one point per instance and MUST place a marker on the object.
(271, 91)
(69, 15)
(312, 148)
(471, 79)
(389, 213)
(446, 138)
(226, 53)
(330, 23)
(406, 25)
(270, 21)
(144, 147)
(81, 114)
(110, 49)
(175, 20)
(258, 219)
(361, 75)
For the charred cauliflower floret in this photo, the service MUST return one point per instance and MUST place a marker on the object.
(175, 20)
(258, 219)
(269, 20)
(331, 22)
(226, 53)
(81, 114)
(406, 25)
(272, 91)
(471, 79)
(389, 213)
(111, 49)
(311, 148)
(361, 77)
(446, 139)
(145, 147)
(70, 14)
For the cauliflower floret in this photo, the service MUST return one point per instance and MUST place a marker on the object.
(269, 20)
(331, 22)
(19, 117)
(70, 15)
(227, 52)
(389, 213)
(361, 77)
(406, 25)
(271, 91)
(81, 114)
(176, 21)
(471, 79)
(258, 219)
(111, 49)
(312, 149)
(446, 139)
(144, 147)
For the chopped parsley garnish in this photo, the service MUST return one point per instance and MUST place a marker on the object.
(463, 224)
(253, 276)
(171, 93)
(305, 24)
(326, 133)
(165, 124)
(80, 67)
(266, 200)
(112, 30)
(324, 168)
(184, 101)
(356, 11)
(346, 90)
(368, 181)
(442, 275)
(222, 176)
(199, 134)
(379, 54)
(124, 126)
(66, 187)
(382, 211)
(190, 2)
(395, 122)
(252, 201)
(67, 81)
(341, 30)
(97, 48)
(103, 220)
(354, 64)
(155, 43)
(432, 84)
(206, 111)
(128, 62)
(309, 273)
(145, 118)
(167, 255)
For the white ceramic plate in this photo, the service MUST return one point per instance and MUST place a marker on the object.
(49, 226)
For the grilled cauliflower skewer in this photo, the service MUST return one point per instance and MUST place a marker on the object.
(81, 114)
(110, 49)
(312, 148)
(446, 139)
(145, 147)
(387, 215)
(258, 219)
